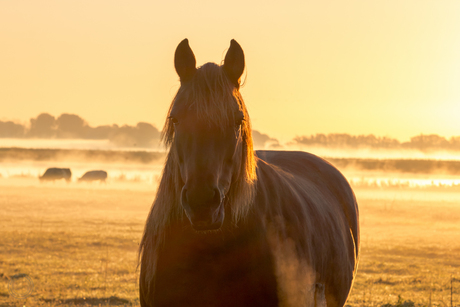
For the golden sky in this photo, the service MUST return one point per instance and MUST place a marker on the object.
(391, 68)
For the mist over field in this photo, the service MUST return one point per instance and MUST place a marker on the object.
(136, 153)
(77, 242)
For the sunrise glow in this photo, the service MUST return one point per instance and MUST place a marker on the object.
(388, 68)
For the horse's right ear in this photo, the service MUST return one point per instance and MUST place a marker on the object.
(184, 61)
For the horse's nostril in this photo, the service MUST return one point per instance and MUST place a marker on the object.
(216, 198)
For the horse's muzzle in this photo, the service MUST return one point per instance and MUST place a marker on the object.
(206, 223)
(204, 214)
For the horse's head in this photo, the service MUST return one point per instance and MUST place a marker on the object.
(209, 133)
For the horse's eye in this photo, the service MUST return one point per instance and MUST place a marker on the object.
(174, 120)
(238, 123)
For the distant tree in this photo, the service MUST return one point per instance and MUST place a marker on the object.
(11, 130)
(146, 134)
(71, 126)
(427, 142)
(262, 140)
(454, 143)
(123, 136)
(100, 132)
(44, 126)
(143, 135)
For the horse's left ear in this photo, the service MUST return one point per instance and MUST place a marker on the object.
(234, 63)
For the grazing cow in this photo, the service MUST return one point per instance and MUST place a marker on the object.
(94, 176)
(55, 173)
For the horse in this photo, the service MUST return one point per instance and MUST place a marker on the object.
(231, 226)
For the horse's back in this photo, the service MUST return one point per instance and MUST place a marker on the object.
(323, 208)
(304, 165)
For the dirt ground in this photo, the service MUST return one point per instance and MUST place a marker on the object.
(63, 245)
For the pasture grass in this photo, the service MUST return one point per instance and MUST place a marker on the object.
(79, 247)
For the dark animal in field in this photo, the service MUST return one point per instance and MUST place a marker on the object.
(55, 173)
(94, 176)
(234, 227)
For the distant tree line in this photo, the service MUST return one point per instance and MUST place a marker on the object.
(71, 126)
(421, 142)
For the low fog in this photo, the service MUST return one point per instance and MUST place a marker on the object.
(134, 154)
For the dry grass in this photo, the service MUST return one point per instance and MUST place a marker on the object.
(409, 251)
(78, 245)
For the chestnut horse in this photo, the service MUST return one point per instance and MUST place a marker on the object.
(234, 227)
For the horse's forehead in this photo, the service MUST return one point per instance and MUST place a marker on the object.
(206, 116)
(212, 105)
(202, 124)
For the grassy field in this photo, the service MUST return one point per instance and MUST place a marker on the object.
(78, 246)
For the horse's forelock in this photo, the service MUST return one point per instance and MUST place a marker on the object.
(211, 96)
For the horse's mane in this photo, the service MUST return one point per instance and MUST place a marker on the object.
(216, 100)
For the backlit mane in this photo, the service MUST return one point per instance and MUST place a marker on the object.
(216, 100)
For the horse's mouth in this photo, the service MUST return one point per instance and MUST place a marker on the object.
(207, 220)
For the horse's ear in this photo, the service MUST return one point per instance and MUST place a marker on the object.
(184, 61)
(234, 63)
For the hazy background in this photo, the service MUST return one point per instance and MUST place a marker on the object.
(371, 86)
(388, 68)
